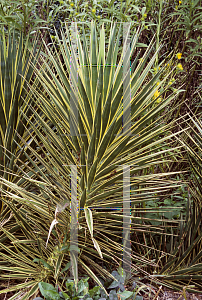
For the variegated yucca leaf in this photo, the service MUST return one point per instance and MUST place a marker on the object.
(15, 74)
(186, 268)
(79, 123)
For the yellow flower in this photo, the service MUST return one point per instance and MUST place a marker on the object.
(158, 100)
(76, 14)
(180, 66)
(158, 83)
(180, 2)
(171, 81)
(72, 4)
(179, 55)
(98, 17)
(93, 10)
(156, 94)
(145, 15)
(176, 7)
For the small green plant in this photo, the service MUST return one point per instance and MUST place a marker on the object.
(116, 287)
(82, 291)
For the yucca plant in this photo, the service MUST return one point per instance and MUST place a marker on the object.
(84, 140)
(15, 74)
(185, 268)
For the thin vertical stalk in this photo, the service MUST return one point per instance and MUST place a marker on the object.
(158, 30)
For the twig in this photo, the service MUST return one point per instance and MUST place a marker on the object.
(157, 293)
